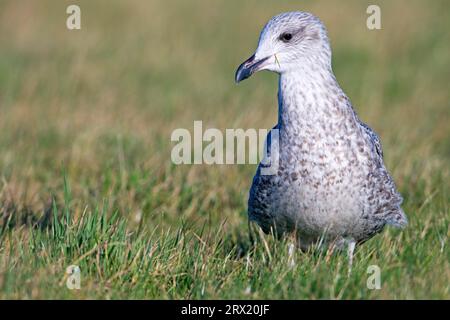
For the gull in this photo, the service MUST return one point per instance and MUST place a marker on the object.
(331, 186)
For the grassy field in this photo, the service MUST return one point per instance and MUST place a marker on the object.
(86, 176)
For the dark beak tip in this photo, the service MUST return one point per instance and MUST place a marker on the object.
(247, 68)
(238, 74)
(242, 73)
(237, 77)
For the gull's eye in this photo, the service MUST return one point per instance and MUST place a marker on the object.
(286, 37)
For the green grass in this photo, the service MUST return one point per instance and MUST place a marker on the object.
(85, 170)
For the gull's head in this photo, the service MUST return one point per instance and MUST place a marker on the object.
(288, 42)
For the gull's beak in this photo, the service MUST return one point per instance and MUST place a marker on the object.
(249, 67)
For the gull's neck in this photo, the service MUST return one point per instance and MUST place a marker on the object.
(309, 96)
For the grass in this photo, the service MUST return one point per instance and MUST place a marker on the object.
(86, 176)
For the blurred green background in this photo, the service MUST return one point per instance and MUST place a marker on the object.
(101, 103)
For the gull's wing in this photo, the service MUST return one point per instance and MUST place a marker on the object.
(389, 199)
(374, 138)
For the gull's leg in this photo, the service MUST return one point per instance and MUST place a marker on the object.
(291, 251)
(350, 250)
(250, 233)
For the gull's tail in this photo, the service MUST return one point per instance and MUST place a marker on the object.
(398, 219)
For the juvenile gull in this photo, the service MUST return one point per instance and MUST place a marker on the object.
(331, 185)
